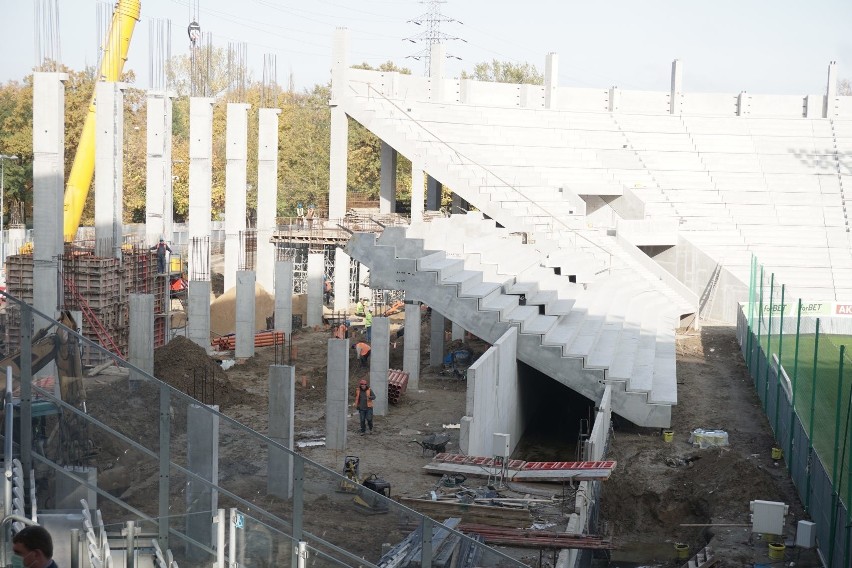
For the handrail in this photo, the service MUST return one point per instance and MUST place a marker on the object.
(462, 156)
(4, 530)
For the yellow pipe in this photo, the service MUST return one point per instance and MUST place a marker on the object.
(124, 19)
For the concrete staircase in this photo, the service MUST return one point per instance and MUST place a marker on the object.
(582, 327)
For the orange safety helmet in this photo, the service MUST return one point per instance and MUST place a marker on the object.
(362, 382)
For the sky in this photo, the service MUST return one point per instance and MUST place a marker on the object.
(760, 46)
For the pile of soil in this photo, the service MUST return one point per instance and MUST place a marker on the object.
(223, 310)
(181, 363)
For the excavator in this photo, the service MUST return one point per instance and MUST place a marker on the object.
(54, 343)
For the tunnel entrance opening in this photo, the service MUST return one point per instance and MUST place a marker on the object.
(557, 418)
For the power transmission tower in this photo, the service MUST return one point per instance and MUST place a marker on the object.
(432, 35)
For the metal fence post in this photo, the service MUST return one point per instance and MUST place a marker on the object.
(835, 482)
(794, 385)
(26, 422)
(130, 540)
(811, 419)
(165, 470)
(780, 363)
(756, 372)
(768, 346)
(749, 336)
(298, 504)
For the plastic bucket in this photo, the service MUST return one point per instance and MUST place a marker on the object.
(776, 550)
(668, 436)
(777, 453)
(682, 550)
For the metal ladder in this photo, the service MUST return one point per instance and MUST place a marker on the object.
(92, 319)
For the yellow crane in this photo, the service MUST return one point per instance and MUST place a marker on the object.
(115, 49)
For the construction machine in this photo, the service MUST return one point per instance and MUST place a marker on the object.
(55, 344)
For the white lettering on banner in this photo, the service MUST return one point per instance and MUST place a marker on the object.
(843, 309)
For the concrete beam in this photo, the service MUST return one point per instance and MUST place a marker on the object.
(159, 206)
(236, 156)
(200, 223)
(338, 157)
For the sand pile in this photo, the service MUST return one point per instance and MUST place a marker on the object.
(223, 310)
(181, 364)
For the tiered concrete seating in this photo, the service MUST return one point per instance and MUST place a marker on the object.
(572, 332)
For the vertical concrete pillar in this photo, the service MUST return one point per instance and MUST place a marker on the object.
(341, 280)
(282, 409)
(379, 363)
(459, 205)
(433, 194)
(202, 456)
(159, 220)
(109, 177)
(458, 332)
(140, 348)
(387, 179)
(417, 189)
(830, 91)
(200, 182)
(743, 104)
(551, 80)
(48, 189)
(337, 394)
(198, 313)
(364, 282)
(676, 95)
(284, 296)
(438, 54)
(316, 268)
(436, 339)
(245, 319)
(267, 195)
(339, 127)
(236, 154)
(411, 352)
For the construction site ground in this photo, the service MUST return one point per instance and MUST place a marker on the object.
(656, 490)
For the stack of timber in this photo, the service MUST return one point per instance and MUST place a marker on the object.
(448, 549)
(471, 512)
(397, 383)
(526, 538)
(519, 470)
(266, 338)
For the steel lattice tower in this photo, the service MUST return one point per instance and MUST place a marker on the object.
(432, 35)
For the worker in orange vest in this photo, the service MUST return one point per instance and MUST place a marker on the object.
(364, 398)
(362, 350)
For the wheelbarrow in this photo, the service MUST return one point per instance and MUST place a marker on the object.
(435, 443)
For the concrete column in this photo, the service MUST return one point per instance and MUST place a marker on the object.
(245, 319)
(48, 189)
(814, 107)
(109, 177)
(379, 364)
(236, 155)
(282, 409)
(339, 127)
(743, 104)
(830, 91)
(267, 195)
(417, 190)
(17, 237)
(284, 296)
(364, 290)
(433, 194)
(676, 95)
(411, 353)
(198, 313)
(436, 340)
(202, 456)
(458, 332)
(316, 267)
(337, 394)
(528, 97)
(140, 351)
(387, 191)
(200, 183)
(551, 80)
(459, 205)
(341, 280)
(438, 54)
(159, 220)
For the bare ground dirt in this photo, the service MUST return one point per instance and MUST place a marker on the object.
(656, 488)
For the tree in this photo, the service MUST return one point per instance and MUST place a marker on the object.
(844, 88)
(387, 67)
(505, 72)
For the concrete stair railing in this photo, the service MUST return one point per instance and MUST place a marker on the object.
(574, 348)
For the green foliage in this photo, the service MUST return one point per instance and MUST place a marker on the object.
(387, 67)
(505, 72)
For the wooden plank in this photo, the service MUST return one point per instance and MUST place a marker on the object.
(481, 514)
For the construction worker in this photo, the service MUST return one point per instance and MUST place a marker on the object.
(361, 307)
(300, 215)
(362, 350)
(364, 398)
(33, 546)
(161, 249)
(368, 323)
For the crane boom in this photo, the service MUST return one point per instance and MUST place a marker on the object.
(117, 44)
